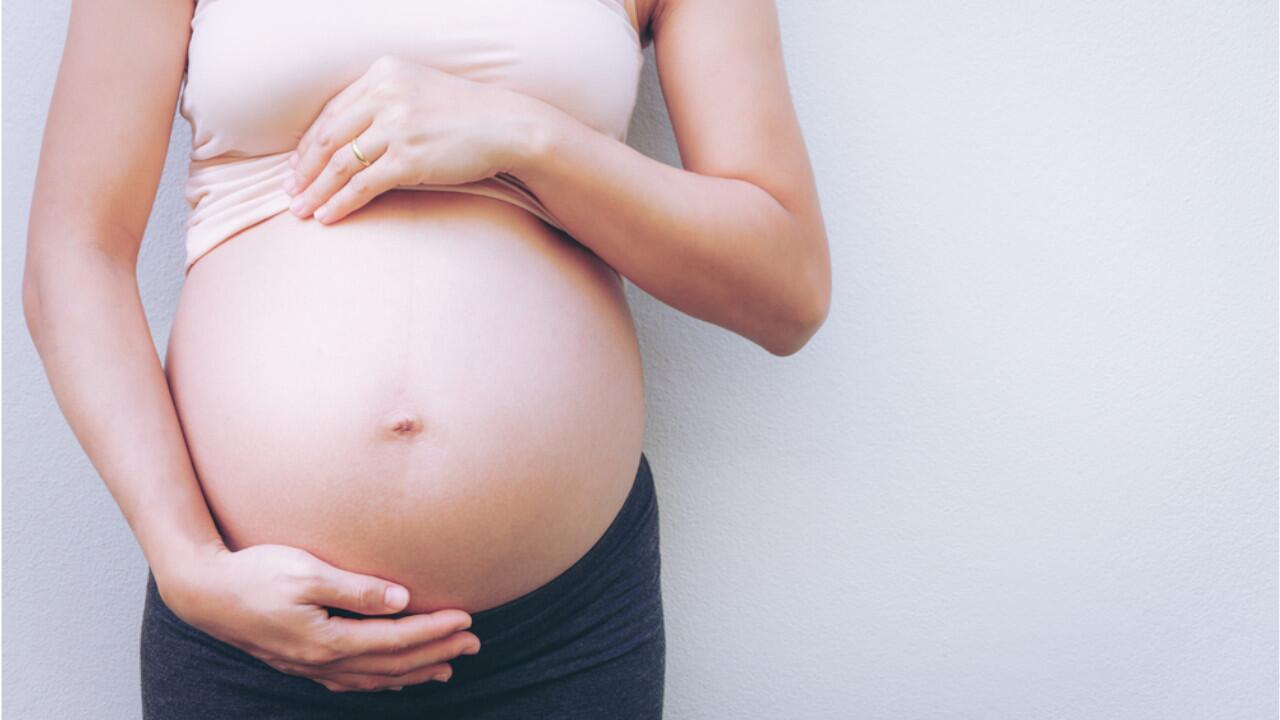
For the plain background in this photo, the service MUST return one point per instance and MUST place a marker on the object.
(1027, 469)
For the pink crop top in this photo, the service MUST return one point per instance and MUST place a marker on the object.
(259, 73)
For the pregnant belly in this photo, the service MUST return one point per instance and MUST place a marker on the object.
(438, 389)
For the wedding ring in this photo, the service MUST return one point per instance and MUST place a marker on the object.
(359, 155)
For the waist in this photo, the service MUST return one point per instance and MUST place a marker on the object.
(438, 389)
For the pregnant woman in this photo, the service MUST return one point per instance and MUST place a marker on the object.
(395, 442)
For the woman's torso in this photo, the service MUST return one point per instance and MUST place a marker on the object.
(441, 388)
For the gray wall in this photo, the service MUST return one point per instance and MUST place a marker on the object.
(1028, 469)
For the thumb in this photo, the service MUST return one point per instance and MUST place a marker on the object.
(361, 593)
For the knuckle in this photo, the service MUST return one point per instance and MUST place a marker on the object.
(334, 647)
(365, 684)
(370, 594)
(401, 172)
(337, 162)
(300, 569)
(395, 114)
(318, 654)
(308, 585)
(303, 574)
(307, 657)
(386, 87)
(394, 645)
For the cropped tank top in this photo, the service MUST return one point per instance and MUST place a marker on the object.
(259, 72)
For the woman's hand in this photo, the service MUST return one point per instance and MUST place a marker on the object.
(415, 125)
(270, 601)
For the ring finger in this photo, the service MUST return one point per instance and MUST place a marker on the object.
(339, 165)
(328, 133)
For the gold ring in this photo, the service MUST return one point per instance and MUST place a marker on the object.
(359, 155)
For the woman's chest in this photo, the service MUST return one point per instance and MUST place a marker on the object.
(258, 73)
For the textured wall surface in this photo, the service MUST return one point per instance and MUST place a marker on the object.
(1028, 468)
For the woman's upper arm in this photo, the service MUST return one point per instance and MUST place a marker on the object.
(722, 74)
(109, 123)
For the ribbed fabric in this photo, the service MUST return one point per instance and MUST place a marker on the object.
(259, 73)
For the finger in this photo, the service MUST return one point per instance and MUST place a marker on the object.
(339, 169)
(378, 69)
(335, 105)
(362, 187)
(353, 636)
(369, 683)
(330, 138)
(401, 663)
(394, 663)
(366, 594)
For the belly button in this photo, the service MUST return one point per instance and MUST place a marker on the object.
(404, 425)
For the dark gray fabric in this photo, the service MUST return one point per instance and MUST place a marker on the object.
(588, 645)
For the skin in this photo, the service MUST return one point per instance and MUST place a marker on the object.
(735, 238)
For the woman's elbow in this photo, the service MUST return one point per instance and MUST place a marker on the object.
(794, 335)
(807, 311)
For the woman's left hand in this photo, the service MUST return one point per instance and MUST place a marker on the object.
(414, 124)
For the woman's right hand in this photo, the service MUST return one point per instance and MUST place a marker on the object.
(270, 601)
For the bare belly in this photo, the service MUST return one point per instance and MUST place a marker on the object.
(438, 389)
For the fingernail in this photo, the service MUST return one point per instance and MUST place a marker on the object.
(471, 650)
(442, 676)
(396, 687)
(396, 596)
(322, 213)
(296, 205)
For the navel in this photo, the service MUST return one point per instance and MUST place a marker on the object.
(403, 425)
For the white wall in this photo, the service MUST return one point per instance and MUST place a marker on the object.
(1028, 468)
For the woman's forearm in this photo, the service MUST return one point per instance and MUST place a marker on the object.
(87, 321)
(720, 249)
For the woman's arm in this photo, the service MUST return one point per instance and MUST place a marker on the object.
(103, 151)
(735, 238)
